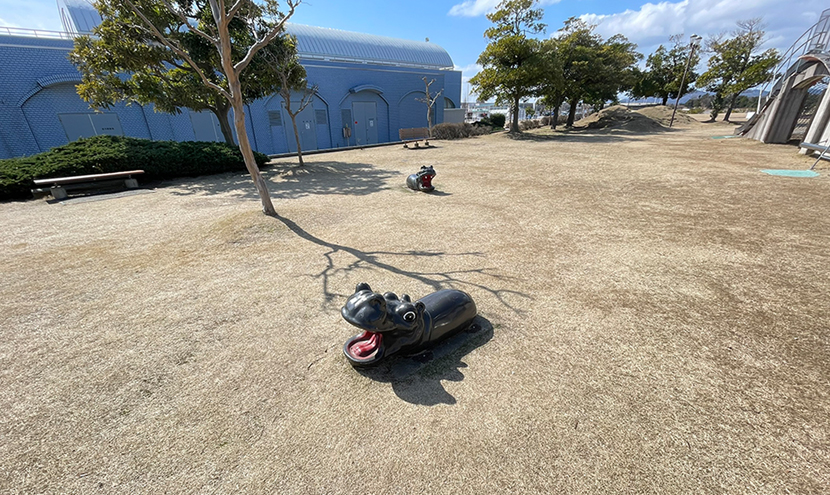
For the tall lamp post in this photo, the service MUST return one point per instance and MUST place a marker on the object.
(693, 41)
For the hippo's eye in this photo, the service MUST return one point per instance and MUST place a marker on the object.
(409, 316)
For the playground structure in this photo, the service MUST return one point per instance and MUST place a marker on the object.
(797, 105)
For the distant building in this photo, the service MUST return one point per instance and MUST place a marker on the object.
(368, 84)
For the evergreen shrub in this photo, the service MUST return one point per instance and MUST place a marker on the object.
(457, 131)
(104, 154)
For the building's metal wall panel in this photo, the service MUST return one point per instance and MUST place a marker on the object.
(29, 121)
(333, 44)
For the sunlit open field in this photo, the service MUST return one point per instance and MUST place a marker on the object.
(655, 311)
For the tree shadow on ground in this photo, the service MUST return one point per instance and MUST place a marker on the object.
(452, 279)
(417, 379)
(289, 181)
(736, 122)
(578, 135)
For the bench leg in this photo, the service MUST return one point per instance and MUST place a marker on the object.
(58, 192)
(131, 183)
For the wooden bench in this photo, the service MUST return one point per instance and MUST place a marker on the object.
(414, 135)
(58, 186)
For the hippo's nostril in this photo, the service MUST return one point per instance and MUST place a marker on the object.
(377, 300)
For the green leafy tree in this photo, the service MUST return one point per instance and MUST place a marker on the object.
(615, 71)
(510, 62)
(552, 85)
(664, 72)
(123, 62)
(592, 69)
(736, 65)
(232, 33)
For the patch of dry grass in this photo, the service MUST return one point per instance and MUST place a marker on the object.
(656, 303)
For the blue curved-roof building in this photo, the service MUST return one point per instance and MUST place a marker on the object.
(367, 89)
(333, 44)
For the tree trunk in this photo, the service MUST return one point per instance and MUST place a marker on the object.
(296, 137)
(235, 90)
(223, 113)
(572, 113)
(665, 100)
(729, 108)
(514, 126)
(429, 117)
(245, 145)
(555, 118)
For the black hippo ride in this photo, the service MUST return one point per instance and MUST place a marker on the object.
(394, 325)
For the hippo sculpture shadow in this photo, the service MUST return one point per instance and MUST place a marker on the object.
(419, 379)
(392, 325)
(422, 180)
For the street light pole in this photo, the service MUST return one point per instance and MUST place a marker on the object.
(693, 41)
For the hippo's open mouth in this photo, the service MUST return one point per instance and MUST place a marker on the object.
(364, 348)
(426, 181)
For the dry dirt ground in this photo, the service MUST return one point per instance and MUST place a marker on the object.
(656, 322)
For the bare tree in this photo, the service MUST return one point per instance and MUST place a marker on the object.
(306, 99)
(292, 78)
(265, 22)
(430, 102)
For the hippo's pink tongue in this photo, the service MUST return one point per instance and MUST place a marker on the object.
(365, 344)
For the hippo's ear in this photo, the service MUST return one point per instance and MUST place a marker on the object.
(390, 296)
(405, 298)
(362, 286)
(420, 307)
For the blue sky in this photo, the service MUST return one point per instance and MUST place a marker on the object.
(458, 25)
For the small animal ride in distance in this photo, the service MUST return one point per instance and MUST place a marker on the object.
(422, 181)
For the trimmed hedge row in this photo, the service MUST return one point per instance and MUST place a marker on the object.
(103, 154)
(458, 131)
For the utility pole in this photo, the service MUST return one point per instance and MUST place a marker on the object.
(693, 41)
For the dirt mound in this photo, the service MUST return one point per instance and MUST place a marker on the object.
(619, 117)
(662, 115)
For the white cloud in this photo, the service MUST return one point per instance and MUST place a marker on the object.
(653, 23)
(475, 8)
(468, 71)
(5, 23)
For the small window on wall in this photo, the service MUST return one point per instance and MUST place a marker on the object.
(320, 117)
(78, 125)
(346, 116)
(275, 118)
(448, 103)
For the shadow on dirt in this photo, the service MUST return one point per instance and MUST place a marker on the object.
(586, 135)
(417, 379)
(288, 181)
(452, 279)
